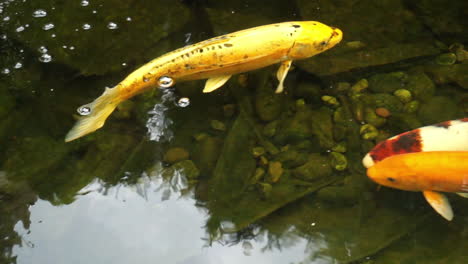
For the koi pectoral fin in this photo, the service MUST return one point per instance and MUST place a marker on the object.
(281, 74)
(464, 195)
(440, 203)
(215, 82)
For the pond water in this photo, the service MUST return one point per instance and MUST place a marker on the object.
(239, 175)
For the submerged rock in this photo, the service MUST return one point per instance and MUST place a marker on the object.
(438, 109)
(316, 167)
(176, 154)
(364, 22)
(387, 82)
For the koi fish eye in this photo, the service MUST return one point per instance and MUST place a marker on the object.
(390, 179)
(323, 43)
(84, 110)
(165, 82)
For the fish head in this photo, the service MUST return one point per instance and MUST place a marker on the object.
(394, 173)
(313, 38)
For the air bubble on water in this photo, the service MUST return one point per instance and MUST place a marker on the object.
(86, 26)
(84, 110)
(42, 49)
(72, 48)
(183, 102)
(7, 18)
(124, 64)
(84, 3)
(53, 35)
(3, 36)
(39, 13)
(64, 46)
(5, 71)
(94, 12)
(129, 19)
(48, 26)
(27, 25)
(18, 65)
(45, 58)
(20, 29)
(112, 25)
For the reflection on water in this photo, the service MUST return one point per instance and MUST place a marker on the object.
(134, 224)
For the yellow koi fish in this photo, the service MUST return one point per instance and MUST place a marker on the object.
(215, 59)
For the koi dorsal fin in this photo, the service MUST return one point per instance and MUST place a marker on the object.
(464, 195)
(440, 203)
(215, 82)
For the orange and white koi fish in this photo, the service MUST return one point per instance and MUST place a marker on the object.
(430, 159)
(216, 59)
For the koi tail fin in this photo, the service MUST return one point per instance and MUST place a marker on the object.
(94, 114)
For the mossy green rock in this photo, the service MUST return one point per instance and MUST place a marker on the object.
(364, 21)
(67, 30)
(176, 154)
(268, 105)
(342, 195)
(438, 109)
(387, 82)
(388, 101)
(208, 150)
(420, 86)
(322, 127)
(296, 128)
(316, 167)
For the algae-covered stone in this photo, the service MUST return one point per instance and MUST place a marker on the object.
(308, 90)
(411, 107)
(420, 86)
(291, 157)
(368, 132)
(403, 122)
(187, 168)
(446, 59)
(388, 101)
(403, 94)
(371, 117)
(316, 167)
(208, 150)
(360, 86)
(343, 195)
(365, 22)
(387, 82)
(218, 125)
(322, 127)
(438, 109)
(338, 161)
(457, 73)
(275, 170)
(176, 154)
(448, 22)
(268, 105)
(111, 32)
(295, 128)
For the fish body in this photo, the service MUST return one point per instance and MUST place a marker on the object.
(431, 159)
(446, 136)
(445, 171)
(215, 59)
